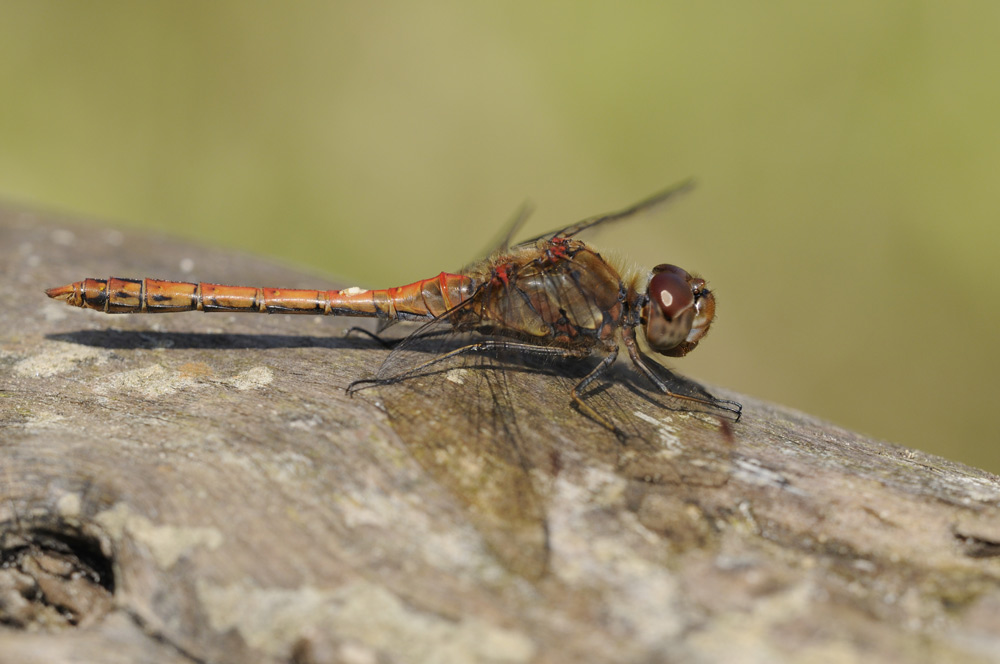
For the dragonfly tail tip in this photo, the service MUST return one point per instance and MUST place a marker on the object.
(64, 293)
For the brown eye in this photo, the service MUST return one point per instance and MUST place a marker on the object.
(671, 293)
(672, 269)
(679, 310)
(670, 312)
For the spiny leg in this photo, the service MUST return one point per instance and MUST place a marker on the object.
(628, 336)
(584, 407)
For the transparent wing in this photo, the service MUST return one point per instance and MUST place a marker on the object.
(491, 418)
(642, 206)
(462, 420)
(503, 240)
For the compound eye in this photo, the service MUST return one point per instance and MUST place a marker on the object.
(672, 269)
(670, 312)
(670, 291)
(678, 312)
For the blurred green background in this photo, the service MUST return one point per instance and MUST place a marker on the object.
(847, 157)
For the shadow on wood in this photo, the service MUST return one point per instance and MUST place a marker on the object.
(200, 488)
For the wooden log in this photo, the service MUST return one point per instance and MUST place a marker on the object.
(200, 488)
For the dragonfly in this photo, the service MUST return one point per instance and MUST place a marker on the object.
(551, 305)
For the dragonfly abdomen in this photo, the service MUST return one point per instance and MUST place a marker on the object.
(422, 299)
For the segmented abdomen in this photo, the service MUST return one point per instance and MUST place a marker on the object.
(427, 298)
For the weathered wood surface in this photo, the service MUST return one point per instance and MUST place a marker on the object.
(199, 488)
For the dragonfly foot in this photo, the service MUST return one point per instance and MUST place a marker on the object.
(385, 343)
(364, 383)
(733, 407)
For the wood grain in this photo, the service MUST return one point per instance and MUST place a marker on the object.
(199, 488)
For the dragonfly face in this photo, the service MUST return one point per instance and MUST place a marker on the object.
(678, 311)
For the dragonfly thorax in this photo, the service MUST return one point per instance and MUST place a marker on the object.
(677, 312)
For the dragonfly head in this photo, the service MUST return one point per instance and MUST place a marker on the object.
(678, 311)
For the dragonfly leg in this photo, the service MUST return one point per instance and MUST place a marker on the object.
(543, 351)
(389, 343)
(478, 347)
(594, 374)
(628, 336)
(385, 343)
